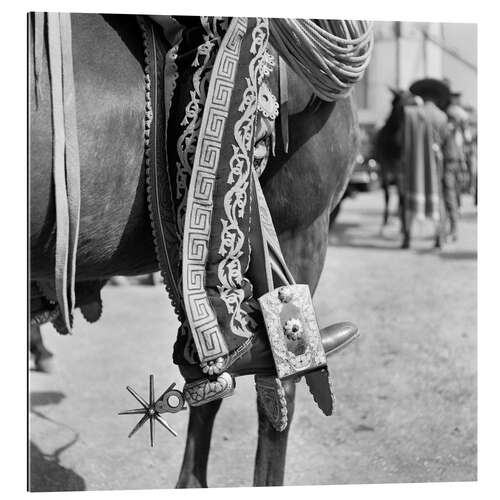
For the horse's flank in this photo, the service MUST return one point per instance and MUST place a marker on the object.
(110, 109)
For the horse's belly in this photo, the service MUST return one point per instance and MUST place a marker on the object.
(115, 235)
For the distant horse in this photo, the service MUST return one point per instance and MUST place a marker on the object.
(301, 187)
(388, 146)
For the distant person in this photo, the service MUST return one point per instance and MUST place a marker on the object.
(470, 147)
(428, 154)
(455, 168)
(458, 118)
(463, 121)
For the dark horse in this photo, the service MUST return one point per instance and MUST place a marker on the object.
(301, 187)
(388, 146)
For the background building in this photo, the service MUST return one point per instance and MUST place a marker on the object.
(407, 51)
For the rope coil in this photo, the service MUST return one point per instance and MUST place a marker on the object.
(329, 55)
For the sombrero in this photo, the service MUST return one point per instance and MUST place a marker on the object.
(431, 88)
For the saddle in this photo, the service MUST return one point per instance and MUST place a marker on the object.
(239, 308)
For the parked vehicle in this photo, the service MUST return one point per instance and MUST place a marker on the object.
(365, 175)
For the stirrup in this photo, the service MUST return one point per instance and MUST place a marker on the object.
(201, 389)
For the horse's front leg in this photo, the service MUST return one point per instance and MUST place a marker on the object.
(194, 466)
(386, 187)
(403, 215)
(271, 448)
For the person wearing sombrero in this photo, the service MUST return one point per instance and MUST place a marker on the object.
(426, 155)
(433, 90)
(458, 120)
(455, 167)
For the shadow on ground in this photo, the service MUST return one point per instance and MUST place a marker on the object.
(47, 474)
(44, 398)
(465, 255)
(469, 216)
(351, 234)
(449, 254)
(45, 470)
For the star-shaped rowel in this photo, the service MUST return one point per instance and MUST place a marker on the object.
(153, 409)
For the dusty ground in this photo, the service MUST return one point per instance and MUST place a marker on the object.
(406, 391)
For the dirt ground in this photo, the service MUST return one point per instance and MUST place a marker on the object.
(406, 390)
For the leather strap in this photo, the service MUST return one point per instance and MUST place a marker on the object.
(283, 79)
(66, 164)
(38, 52)
(274, 261)
(72, 158)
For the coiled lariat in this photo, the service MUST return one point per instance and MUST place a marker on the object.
(330, 56)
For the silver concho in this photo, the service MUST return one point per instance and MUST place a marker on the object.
(267, 104)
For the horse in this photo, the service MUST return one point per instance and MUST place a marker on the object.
(42, 357)
(301, 186)
(388, 147)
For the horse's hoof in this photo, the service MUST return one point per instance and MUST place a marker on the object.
(406, 244)
(44, 364)
(336, 337)
(118, 281)
(191, 482)
(151, 279)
